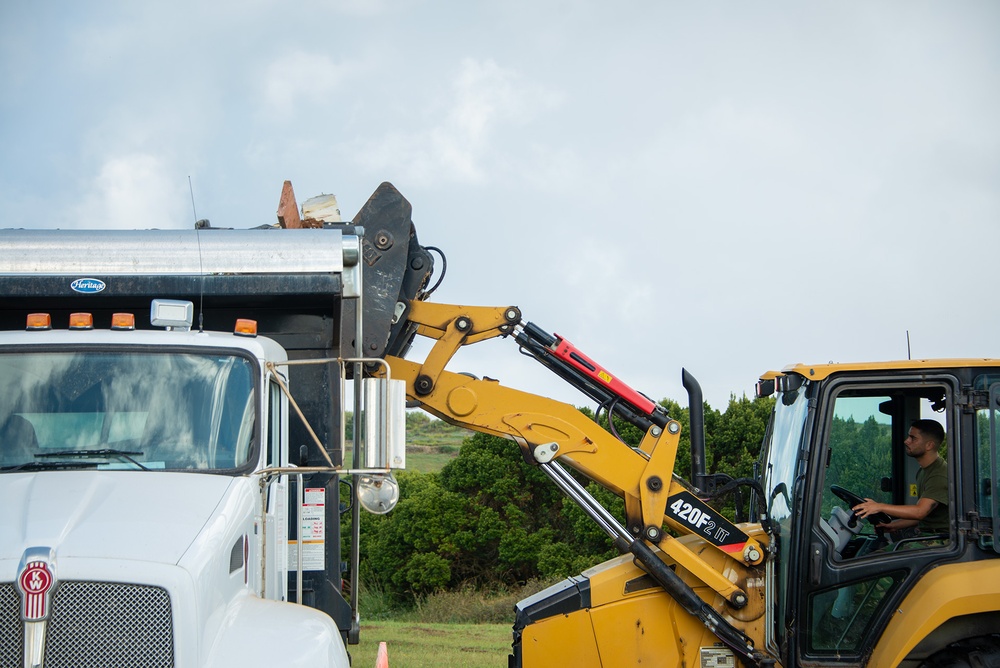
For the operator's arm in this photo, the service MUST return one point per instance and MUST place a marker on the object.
(907, 515)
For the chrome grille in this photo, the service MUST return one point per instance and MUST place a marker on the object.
(11, 629)
(96, 624)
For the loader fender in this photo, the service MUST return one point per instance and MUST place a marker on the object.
(961, 591)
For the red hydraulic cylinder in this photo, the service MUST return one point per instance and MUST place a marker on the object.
(570, 354)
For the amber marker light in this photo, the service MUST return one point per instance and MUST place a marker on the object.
(245, 327)
(81, 321)
(123, 321)
(39, 321)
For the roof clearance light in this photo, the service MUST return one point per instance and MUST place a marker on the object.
(172, 314)
(245, 327)
(123, 321)
(81, 321)
(39, 321)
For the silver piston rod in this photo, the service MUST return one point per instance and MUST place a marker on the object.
(671, 583)
(576, 492)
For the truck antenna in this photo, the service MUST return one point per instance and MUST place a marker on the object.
(193, 209)
(201, 262)
(201, 287)
(908, 345)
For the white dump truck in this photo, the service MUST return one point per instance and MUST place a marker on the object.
(172, 450)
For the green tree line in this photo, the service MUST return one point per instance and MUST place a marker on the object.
(489, 520)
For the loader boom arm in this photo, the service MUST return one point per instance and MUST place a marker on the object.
(550, 432)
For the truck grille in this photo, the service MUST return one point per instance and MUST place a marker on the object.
(95, 624)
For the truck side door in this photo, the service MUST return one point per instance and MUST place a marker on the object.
(275, 553)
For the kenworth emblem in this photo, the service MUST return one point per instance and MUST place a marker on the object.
(35, 579)
(88, 286)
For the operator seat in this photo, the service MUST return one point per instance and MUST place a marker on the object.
(18, 441)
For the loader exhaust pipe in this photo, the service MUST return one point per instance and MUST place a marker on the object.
(696, 408)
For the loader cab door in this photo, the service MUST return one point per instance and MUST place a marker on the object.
(854, 572)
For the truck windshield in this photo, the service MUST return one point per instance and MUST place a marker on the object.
(781, 477)
(125, 410)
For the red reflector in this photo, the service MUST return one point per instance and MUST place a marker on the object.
(245, 327)
(123, 321)
(39, 321)
(81, 321)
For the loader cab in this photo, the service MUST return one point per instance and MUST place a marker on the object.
(836, 438)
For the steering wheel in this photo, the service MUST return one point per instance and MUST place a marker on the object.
(852, 499)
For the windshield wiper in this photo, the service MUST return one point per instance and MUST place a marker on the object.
(49, 466)
(103, 452)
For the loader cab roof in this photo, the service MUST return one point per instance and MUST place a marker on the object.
(774, 380)
(822, 371)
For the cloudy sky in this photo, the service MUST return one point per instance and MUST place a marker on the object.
(727, 187)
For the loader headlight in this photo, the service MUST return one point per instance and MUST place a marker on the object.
(378, 494)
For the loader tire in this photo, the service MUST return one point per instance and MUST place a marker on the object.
(978, 652)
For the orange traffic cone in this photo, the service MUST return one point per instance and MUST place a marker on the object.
(382, 659)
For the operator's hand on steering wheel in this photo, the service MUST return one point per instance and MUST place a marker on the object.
(867, 507)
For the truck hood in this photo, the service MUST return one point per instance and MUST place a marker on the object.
(140, 515)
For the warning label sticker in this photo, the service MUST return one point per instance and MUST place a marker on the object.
(717, 657)
(312, 529)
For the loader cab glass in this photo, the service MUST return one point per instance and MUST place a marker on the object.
(987, 460)
(860, 568)
(850, 573)
(783, 475)
(867, 459)
(126, 410)
(835, 578)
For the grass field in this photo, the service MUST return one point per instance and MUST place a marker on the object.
(428, 459)
(415, 644)
(423, 458)
(430, 444)
(418, 645)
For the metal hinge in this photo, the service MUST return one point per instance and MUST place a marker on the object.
(972, 400)
(975, 526)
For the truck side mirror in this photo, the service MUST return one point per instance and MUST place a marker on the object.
(385, 423)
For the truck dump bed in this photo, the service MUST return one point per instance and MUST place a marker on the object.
(290, 281)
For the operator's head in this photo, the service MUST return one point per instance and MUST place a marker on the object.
(925, 436)
(931, 429)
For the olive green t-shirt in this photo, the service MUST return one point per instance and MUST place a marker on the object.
(932, 483)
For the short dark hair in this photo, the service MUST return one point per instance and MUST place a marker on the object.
(931, 429)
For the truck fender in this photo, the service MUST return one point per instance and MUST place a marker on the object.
(258, 632)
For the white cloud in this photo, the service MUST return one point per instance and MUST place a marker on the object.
(134, 191)
(484, 99)
(299, 78)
